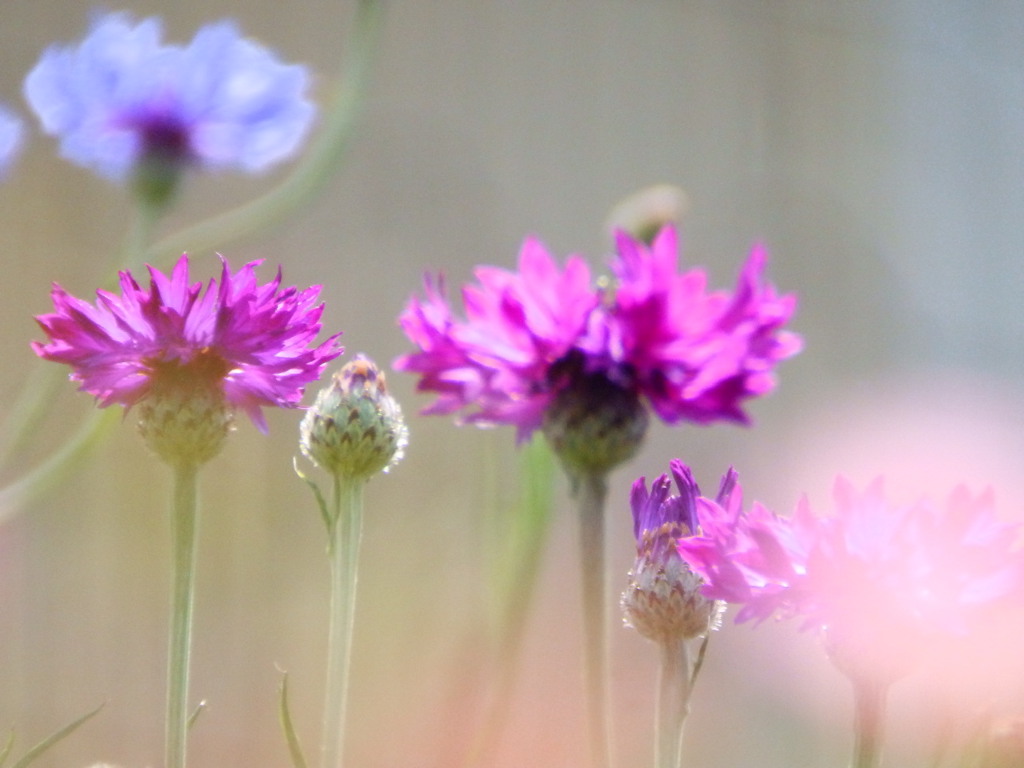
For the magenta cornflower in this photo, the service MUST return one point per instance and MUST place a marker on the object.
(653, 334)
(122, 98)
(240, 342)
(881, 581)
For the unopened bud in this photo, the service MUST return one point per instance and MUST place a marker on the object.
(355, 428)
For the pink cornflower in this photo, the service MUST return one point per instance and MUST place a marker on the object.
(238, 344)
(882, 582)
(652, 335)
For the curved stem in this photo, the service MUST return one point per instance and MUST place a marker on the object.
(672, 703)
(19, 493)
(593, 490)
(868, 723)
(26, 415)
(346, 534)
(183, 527)
(311, 172)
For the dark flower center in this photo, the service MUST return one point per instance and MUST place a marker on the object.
(596, 420)
(165, 140)
(165, 152)
(203, 372)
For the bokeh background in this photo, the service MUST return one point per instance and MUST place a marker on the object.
(875, 146)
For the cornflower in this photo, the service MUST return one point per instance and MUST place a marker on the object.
(188, 358)
(544, 347)
(882, 584)
(125, 104)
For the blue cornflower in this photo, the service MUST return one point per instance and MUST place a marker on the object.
(123, 103)
(11, 133)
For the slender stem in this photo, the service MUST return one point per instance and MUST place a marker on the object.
(516, 568)
(15, 496)
(593, 490)
(346, 534)
(25, 417)
(312, 171)
(183, 527)
(139, 235)
(868, 723)
(673, 703)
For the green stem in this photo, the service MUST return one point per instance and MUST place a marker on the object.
(515, 571)
(346, 534)
(869, 717)
(139, 236)
(15, 496)
(311, 172)
(183, 528)
(593, 490)
(672, 703)
(25, 417)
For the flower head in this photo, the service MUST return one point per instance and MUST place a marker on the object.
(122, 99)
(539, 342)
(663, 600)
(355, 428)
(12, 131)
(880, 581)
(237, 343)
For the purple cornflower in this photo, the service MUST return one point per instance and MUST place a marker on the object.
(239, 343)
(882, 582)
(122, 99)
(11, 135)
(663, 601)
(544, 346)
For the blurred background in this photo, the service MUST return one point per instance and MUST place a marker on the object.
(876, 147)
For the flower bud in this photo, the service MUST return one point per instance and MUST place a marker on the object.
(355, 428)
(663, 599)
(646, 211)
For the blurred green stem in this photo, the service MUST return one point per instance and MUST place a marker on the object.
(139, 236)
(183, 530)
(516, 558)
(673, 703)
(15, 496)
(868, 724)
(592, 492)
(26, 415)
(343, 549)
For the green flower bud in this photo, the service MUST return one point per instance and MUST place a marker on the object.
(355, 428)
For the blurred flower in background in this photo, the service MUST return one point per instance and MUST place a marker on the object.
(123, 103)
(883, 583)
(12, 132)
